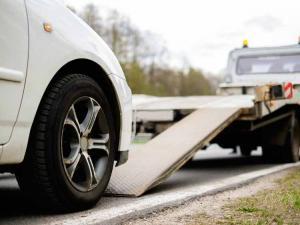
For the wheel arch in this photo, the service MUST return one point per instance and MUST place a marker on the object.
(96, 72)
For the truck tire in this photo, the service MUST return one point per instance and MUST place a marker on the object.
(71, 149)
(273, 154)
(246, 151)
(288, 153)
(292, 148)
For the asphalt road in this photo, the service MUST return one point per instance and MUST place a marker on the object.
(208, 166)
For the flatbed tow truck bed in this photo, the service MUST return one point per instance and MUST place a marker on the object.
(203, 118)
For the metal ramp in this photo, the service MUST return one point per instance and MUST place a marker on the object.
(166, 153)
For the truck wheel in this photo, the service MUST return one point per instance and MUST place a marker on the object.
(71, 149)
(292, 148)
(290, 152)
(272, 153)
(245, 150)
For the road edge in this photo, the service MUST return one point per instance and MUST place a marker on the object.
(146, 205)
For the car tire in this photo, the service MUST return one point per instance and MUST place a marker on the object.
(72, 146)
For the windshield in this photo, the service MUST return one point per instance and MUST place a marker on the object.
(268, 64)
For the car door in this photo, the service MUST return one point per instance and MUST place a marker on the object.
(13, 62)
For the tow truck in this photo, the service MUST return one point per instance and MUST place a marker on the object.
(258, 105)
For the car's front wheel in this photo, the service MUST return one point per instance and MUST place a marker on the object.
(71, 150)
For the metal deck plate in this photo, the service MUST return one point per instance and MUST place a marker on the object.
(151, 103)
(160, 157)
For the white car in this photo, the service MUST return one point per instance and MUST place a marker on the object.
(65, 106)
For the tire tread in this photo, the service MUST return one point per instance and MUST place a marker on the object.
(35, 163)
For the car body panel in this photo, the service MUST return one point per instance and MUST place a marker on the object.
(13, 48)
(260, 79)
(69, 40)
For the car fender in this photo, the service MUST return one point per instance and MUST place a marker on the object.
(68, 39)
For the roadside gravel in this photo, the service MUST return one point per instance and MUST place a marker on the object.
(211, 207)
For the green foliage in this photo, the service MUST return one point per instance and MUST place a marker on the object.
(136, 78)
(248, 209)
(297, 201)
(139, 52)
(195, 83)
(278, 205)
(166, 82)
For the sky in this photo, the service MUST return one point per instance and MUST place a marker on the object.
(201, 33)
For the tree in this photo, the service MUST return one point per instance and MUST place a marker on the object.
(92, 17)
(195, 83)
(136, 78)
(144, 57)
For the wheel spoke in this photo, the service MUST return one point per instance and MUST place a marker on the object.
(70, 122)
(73, 140)
(85, 144)
(75, 151)
(72, 168)
(99, 143)
(73, 116)
(90, 170)
(87, 125)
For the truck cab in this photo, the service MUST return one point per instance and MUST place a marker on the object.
(259, 66)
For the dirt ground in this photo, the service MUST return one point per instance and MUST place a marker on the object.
(231, 207)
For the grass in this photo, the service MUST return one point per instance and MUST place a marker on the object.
(278, 206)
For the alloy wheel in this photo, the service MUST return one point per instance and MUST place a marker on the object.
(85, 144)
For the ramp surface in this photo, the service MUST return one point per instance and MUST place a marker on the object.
(166, 153)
